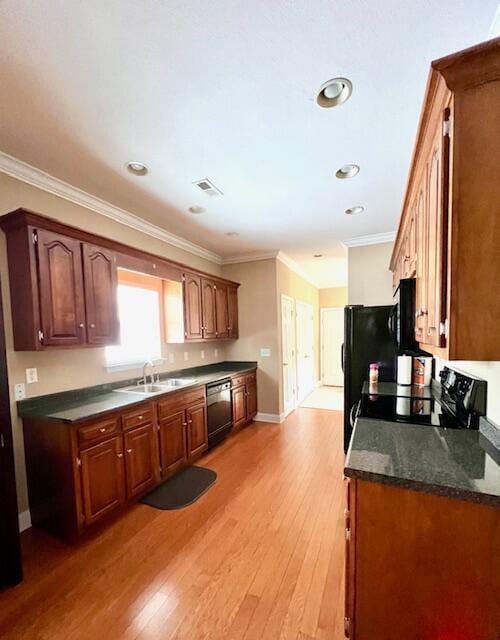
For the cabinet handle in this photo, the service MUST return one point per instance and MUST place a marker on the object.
(119, 455)
(129, 450)
(102, 429)
(190, 421)
(92, 325)
(184, 424)
(81, 325)
(140, 417)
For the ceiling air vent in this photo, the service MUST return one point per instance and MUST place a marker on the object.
(208, 187)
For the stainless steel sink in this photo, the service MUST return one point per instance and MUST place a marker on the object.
(157, 388)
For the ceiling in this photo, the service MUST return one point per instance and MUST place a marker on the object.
(226, 91)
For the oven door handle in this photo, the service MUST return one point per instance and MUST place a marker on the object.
(353, 414)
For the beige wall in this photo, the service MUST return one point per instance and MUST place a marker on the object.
(71, 369)
(257, 326)
(368, 275)
(291, 284)
(333, 297)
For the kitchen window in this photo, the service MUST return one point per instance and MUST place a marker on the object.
(140, 310)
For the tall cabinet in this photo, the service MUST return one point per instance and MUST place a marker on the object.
(449, 232)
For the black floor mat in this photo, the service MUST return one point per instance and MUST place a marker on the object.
(181, 490)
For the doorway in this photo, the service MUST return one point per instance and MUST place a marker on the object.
(288, 350)
(305, 349)
(332, 337)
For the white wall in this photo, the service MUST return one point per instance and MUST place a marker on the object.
(368, 275)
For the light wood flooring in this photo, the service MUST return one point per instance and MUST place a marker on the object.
(258, 557)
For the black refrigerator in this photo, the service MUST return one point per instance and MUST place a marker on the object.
(369, 336)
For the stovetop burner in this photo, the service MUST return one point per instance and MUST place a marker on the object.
(457, 404)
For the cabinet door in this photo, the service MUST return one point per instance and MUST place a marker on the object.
(208, 306)
(232, 308)
(101, 306)
(221, 311)
(192, 307)
(349, 559)
(239, 406)
(421, 284)
(103, 485)
(436, 239)
(197, 430)
(141, 459)
(173, 443)
(60, 282)
(251, 395)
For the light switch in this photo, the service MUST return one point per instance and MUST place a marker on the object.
(20, 391)
(265, 352)
(31, 375)
(216, 353)
(202, 354)
(186, 356)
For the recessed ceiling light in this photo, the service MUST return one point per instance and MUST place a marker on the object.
(137, 168)
(232, 234)
(197, 209)
(354, 210)
(347, 171)
(334, 92)
(318, 255)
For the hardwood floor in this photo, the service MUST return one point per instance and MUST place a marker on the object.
(259, 557)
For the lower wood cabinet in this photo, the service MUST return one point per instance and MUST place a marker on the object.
(81, 473)
(419, 565)
(173, 447)
(244, 399)
(141, 459)
(102, 479)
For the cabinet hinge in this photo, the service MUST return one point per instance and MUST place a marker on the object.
(347, 534)
(443, 328)
(40, 336)
(347, 627)
(446, 127)
(183, 278)
(215, 287)
(2, 441)
(78, 462)
(34, 237)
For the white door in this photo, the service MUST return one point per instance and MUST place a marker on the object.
(288, 353)
(332, 336)
(305, 349)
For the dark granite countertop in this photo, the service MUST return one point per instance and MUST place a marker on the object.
(397, 390)
(459, 463)
(82, 404)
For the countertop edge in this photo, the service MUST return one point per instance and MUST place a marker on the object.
(126, 401)
(424, 487)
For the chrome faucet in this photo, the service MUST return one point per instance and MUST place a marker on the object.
(144, 379)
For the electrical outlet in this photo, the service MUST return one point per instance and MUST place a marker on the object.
(265, 352)
(171, 358)
(20, 391)
(216, 353)
(186, 356)
(202, 354)
(31, 375)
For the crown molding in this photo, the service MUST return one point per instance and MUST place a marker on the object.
(42, 180)
(296, 268)
(250, 257)
(376, 238)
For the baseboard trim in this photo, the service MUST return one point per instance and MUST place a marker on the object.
(24, 520)
(269, 417)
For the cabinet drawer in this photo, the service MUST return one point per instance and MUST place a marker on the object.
(98, 430)
(179, 400)
(251, 378)
(237, 381)
(140, 415)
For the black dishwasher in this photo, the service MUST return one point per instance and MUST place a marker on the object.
(219, 416)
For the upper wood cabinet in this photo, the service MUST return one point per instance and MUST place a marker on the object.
(193, 318)
(449, 232)
(61, 292)
(210, 309)
(99, 273)
(63, 288)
